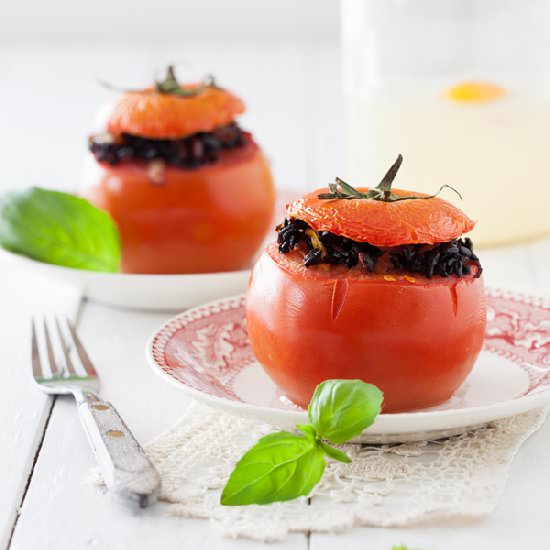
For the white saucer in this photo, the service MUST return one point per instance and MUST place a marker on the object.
(205, 352)
(173, 292)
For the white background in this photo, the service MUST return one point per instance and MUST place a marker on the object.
(77, 21)
(276, 55)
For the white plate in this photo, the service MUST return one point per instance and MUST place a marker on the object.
(140, 291)
(206, 353)
(153, 292)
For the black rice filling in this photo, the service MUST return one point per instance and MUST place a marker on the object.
(453, 258)
(189, 152)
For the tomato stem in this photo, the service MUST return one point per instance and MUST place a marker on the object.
(170, 84)
(387, 180)
(382, 192)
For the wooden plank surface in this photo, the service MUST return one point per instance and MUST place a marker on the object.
(24, 411)
(116, 339)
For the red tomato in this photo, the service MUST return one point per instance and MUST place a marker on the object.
(212, 218)
(415, 338)
(383, 223)
(148, 113)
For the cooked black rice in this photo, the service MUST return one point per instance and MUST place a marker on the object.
(444, 259)
(189, 152)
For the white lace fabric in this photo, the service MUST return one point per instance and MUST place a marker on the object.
(386, 485)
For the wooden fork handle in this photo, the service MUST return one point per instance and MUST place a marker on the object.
(125, 468)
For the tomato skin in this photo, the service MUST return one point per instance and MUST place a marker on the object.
(416, 341)
(208, 219)
(381, 223)
(148, 113)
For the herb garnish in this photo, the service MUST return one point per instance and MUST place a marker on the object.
(58, 228)
(382, 192)
(283, 465)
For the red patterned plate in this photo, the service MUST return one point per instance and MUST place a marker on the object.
(205, 352)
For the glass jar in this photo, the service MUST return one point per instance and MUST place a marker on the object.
(461, 89)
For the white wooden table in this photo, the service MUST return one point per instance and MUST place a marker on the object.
(45, 501)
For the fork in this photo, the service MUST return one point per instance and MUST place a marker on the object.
(125, 468)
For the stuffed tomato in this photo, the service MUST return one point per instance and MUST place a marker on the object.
(383, 290)
(190, 191)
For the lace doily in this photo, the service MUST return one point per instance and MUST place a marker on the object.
(388, 485)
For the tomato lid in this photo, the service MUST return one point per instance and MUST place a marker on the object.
(380, 215)
(172, 111)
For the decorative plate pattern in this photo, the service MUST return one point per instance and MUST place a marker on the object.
(206, 352)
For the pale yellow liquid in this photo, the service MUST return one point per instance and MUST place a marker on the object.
(497, 154)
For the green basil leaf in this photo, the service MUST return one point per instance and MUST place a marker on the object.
(336, 454)
(281, 466)
(341, 409)
(308, 430)
(58, 228)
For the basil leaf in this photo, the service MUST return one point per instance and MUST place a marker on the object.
(281, 466)
(336, 454)
(309, 431)
(58, 228)
(341, 409)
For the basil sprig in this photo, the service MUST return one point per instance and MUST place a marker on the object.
(283, 465)
(59, 228)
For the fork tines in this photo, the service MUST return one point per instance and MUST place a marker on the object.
(60, 346)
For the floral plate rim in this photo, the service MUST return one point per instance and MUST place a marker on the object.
(394, 423)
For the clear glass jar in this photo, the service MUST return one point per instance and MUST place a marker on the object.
(461, 89)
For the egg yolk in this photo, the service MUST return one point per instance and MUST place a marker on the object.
(475, 92)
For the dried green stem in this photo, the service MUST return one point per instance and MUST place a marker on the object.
(169, 85)
(382, 192)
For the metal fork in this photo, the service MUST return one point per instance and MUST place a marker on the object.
(127, 472)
